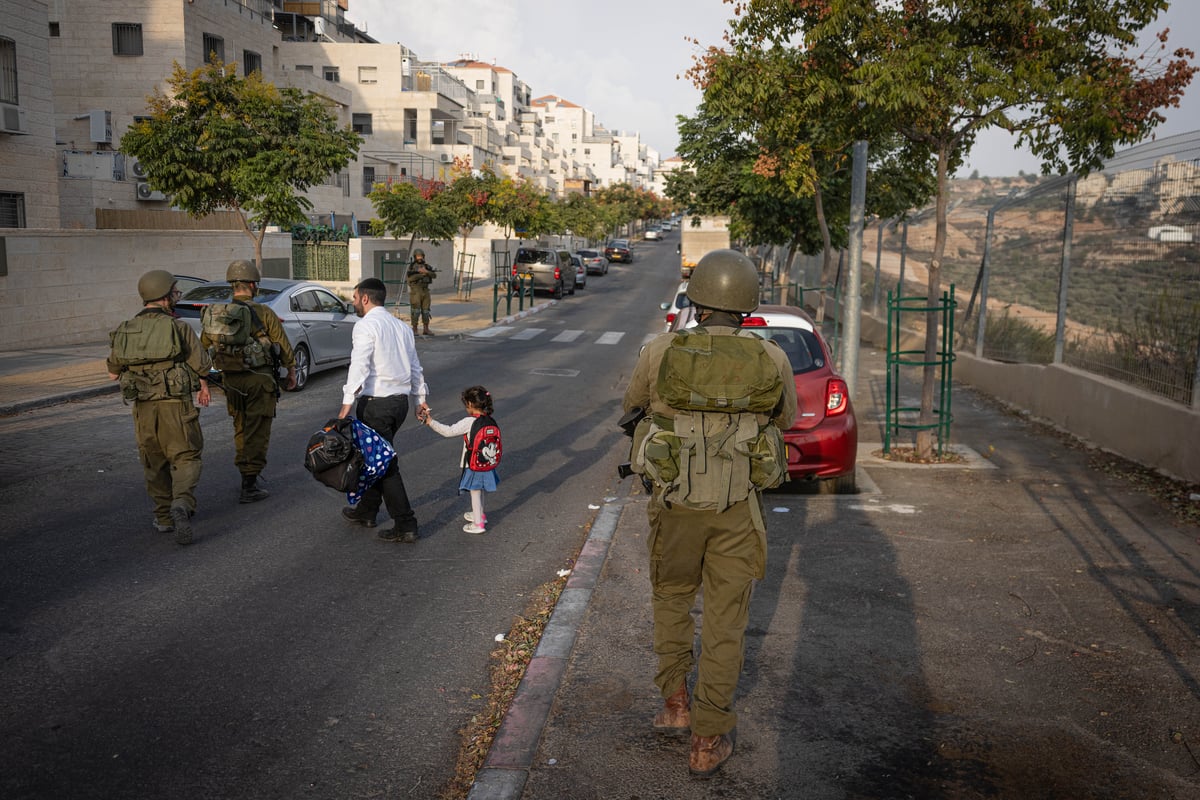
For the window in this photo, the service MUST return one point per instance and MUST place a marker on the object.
(479, 85)
(328, 303)
(304, 68)
(368, 180)
(331, 74)
(8, 71)
(361, 123)
(54, 30)
(251, 62)
(214, 49)
(368, 75)
(12, 210)
(127, 39)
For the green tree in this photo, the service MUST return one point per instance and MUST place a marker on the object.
(405, 208)
(222, 142)
(1063, 77)
(465, 199)
(515, 205)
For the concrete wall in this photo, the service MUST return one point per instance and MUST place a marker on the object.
(1104, 413)
(73, 287)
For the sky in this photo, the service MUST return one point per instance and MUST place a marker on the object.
(626, 59)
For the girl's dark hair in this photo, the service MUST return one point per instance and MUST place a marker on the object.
(478, 397)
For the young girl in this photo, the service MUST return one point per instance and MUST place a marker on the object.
(478, 403)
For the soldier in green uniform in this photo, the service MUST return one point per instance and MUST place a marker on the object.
(722, 550)
(419, 276)
(250, 384)
(159, 362)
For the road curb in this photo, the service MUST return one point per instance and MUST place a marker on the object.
(506, 769)
(56, 399)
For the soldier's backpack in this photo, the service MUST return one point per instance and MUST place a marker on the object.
(720, 445)
(237, 335)
(483, 444)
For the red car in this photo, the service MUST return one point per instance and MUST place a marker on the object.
(822, 443)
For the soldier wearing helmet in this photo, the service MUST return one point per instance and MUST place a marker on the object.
(251, 393)
(722, 550)
(419, 276)
(159, 362)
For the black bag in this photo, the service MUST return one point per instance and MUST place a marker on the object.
(332, 457)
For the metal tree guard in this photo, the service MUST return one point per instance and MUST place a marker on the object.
(897, 358)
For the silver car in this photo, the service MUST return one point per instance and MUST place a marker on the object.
(318, 324)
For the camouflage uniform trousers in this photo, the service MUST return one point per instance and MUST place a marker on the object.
(169, 444)
(250, 399)
(418, 298)
(726, 554)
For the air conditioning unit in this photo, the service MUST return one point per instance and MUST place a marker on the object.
(138, 170)
(144, 192)
(447, 158)
(12, 119)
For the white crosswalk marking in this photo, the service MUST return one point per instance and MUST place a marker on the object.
(611, 337)
(528, 333)
(490, 332)
(567, 336)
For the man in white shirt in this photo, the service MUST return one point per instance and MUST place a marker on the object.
(384, 372)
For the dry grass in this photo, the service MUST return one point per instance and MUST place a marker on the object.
(508, 662)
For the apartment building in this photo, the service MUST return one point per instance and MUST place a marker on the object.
(74, 76)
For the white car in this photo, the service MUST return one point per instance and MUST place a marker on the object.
(653, 234)
(1169, 233)
(680, 302)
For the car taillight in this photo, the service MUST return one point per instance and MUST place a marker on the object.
(514, 272)
(670, 318)
(754, 322)
(837, 397)
(557, 273)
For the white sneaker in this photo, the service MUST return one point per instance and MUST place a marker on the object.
(473, 528)
(470, 517)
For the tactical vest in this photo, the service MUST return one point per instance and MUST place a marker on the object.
(150, 347)
(720, 446)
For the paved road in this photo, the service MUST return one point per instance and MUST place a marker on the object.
(286, 653)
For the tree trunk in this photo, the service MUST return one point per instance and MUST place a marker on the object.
(924, 442)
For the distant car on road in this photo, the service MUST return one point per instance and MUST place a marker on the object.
(594, 261)
(580, 272)
(1169, 233)
(619, 250)
(319, 325)
(551, 269)
(653, 234)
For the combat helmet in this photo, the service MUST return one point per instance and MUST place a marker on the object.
(418, 252)
(155, 285)
(242, 270)
(724, 280)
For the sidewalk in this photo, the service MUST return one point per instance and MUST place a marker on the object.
(1017, 625)
(47, 376)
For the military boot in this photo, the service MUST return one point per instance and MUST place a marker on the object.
(674, 714)
(251, 491)
(427, 332)
(416, 322)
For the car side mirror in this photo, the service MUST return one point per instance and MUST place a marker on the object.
(664, 306)
(679, 249)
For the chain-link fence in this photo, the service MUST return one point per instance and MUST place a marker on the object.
(1100, 273)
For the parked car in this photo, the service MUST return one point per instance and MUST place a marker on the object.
(1169, 233)
(551, 269)
(653, 234)
(822, 444)
(619, 250)
(680, 302)
(318, 324)
(580, 273)
(594, 261)
(185, 283)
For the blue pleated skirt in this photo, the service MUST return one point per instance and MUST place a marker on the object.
(487, 481)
